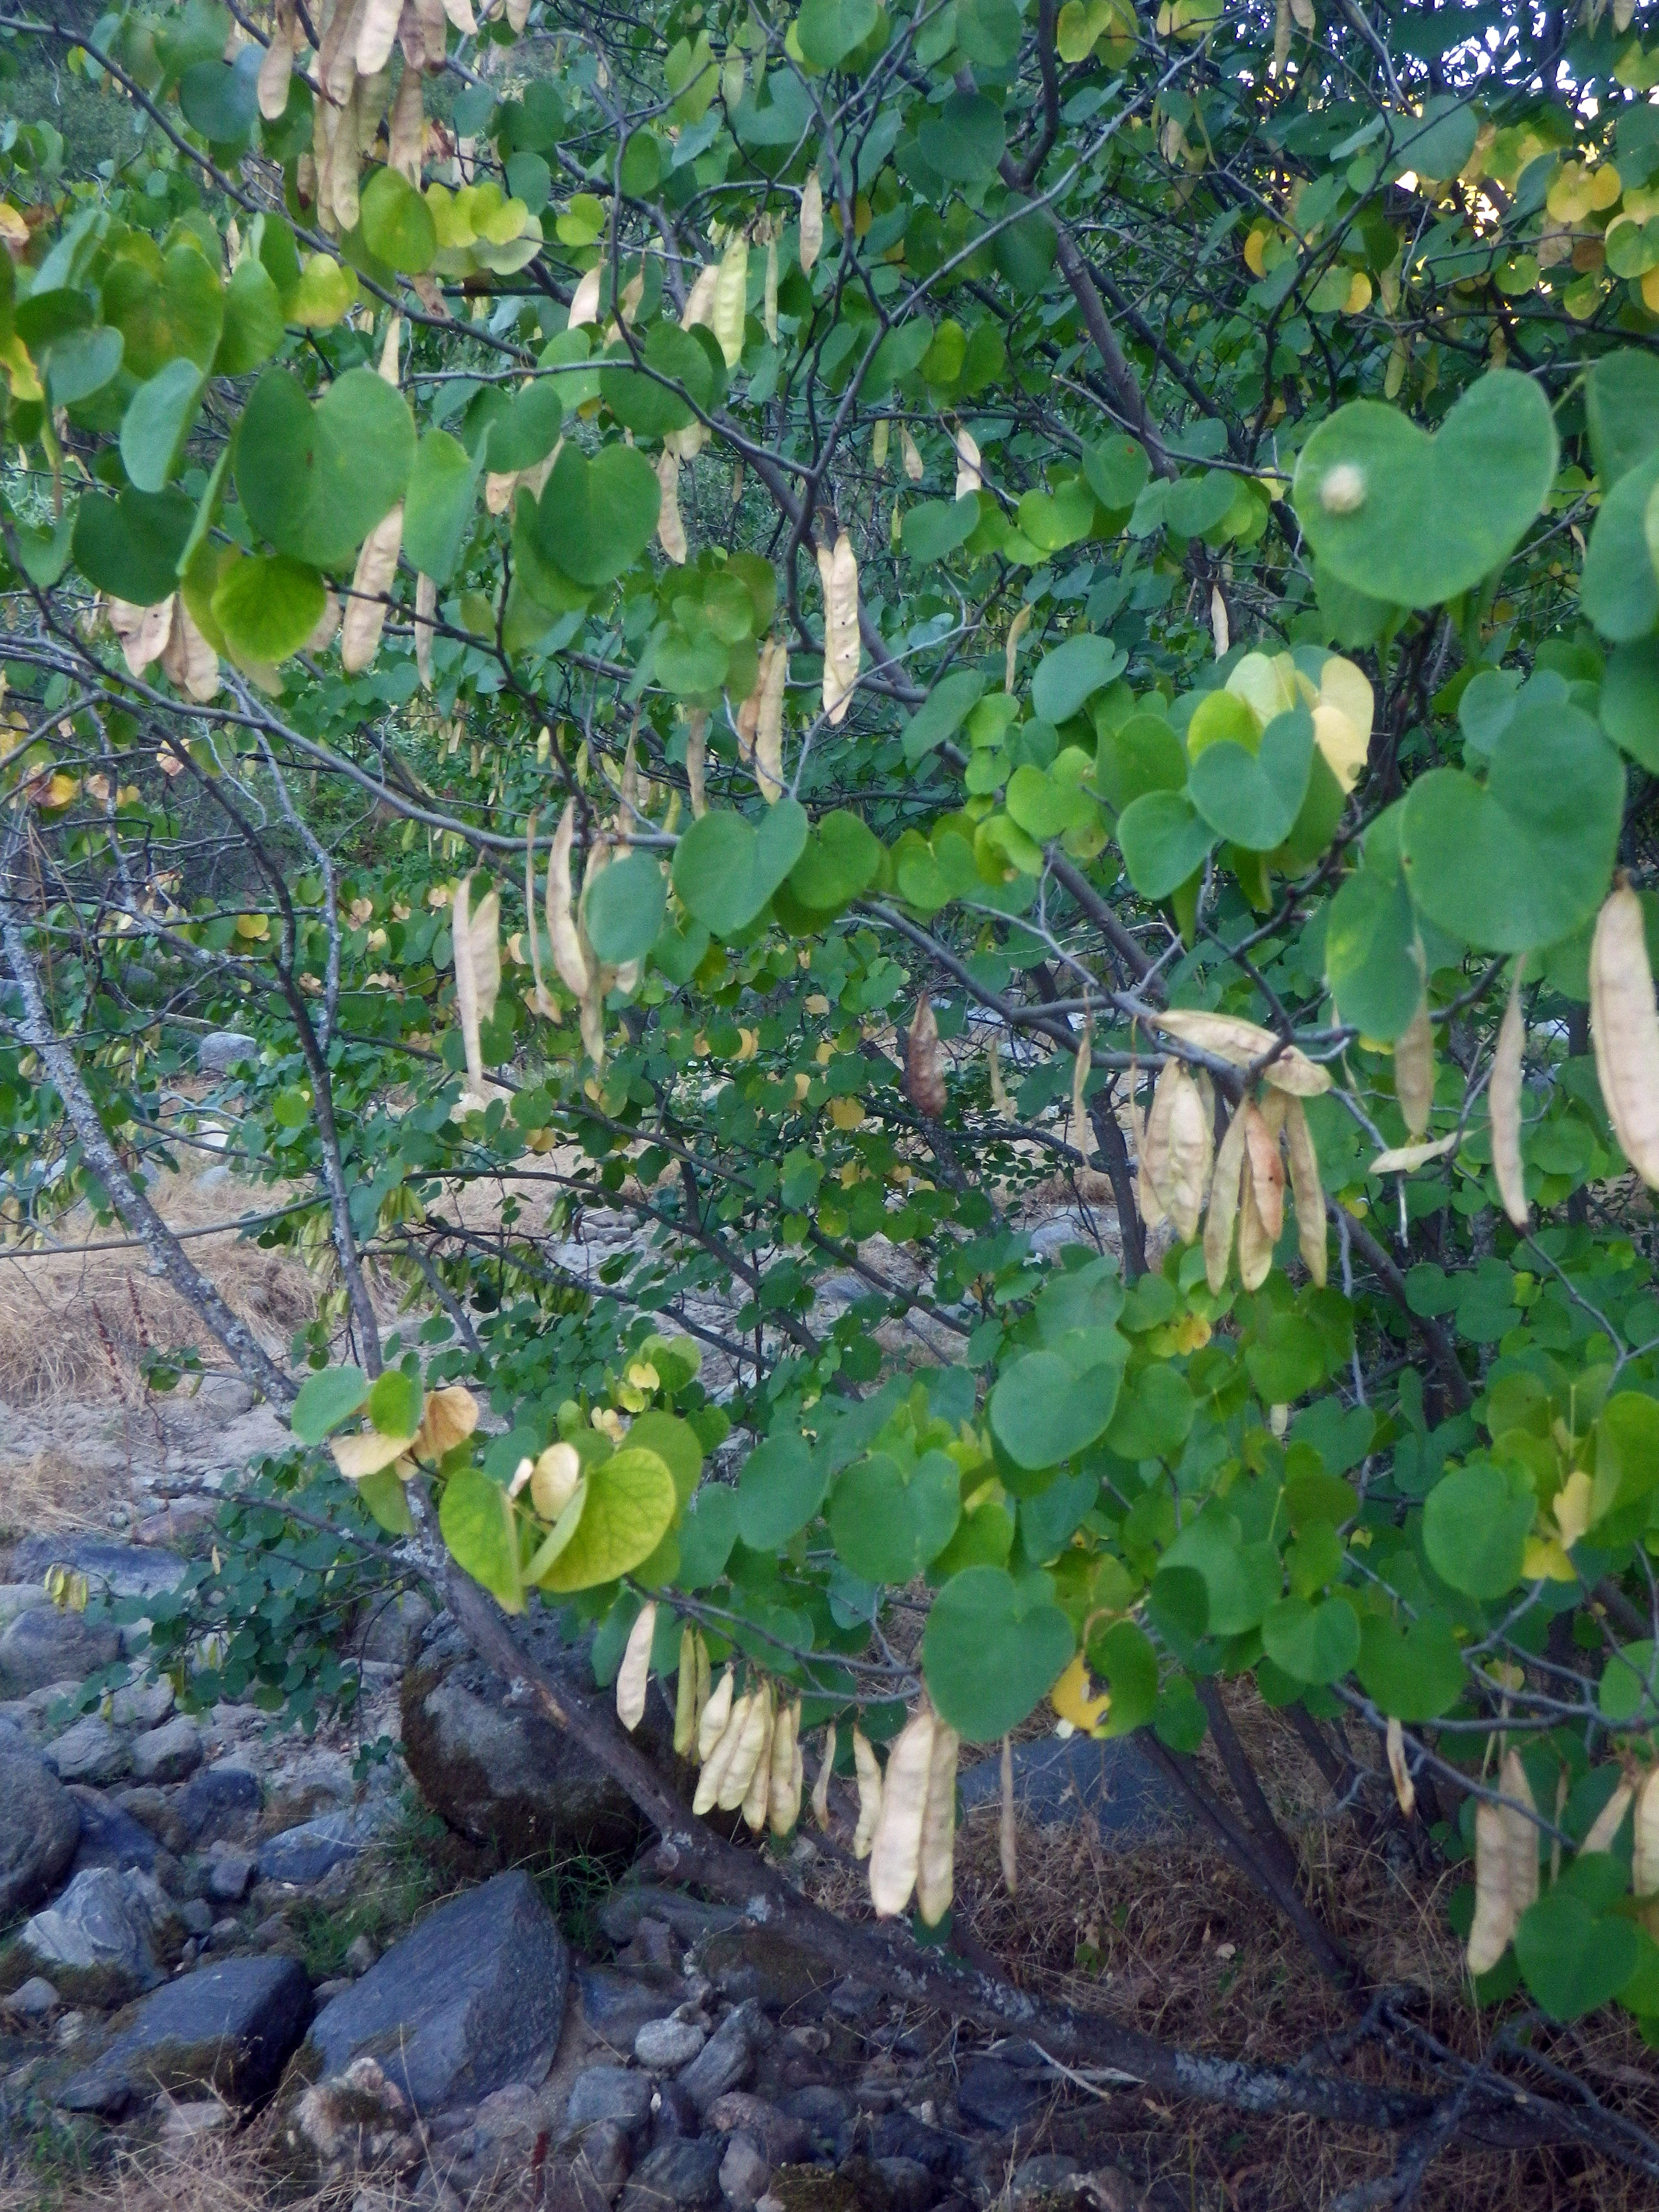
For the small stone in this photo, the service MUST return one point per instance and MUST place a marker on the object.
(227, 1931)
(745, 2172)
(994, 2096)
(666, 2045)
(1048, 2175)
(782, 2140)
(307, 1852)
(231, 1877)
(221, 1804)
(335, 1986)
(188, 2122)
(70, 2028)
(196, 1914)
(168, 1753)
(602, 2164)
(32, 2000)
(616, 2007)
(361, 1954)
(685, 2173)
(160, 1812)
(911, 2187)
(88, 1750)
(726, 2060)
(221, 1050)
(608, 2093)
(142, 1704)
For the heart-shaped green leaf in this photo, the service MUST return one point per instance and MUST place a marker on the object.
(1044, 805)
(397, 223)
(1630, 702)
(595, 518)
(993, 1647)
(1475, 1525)
(942, 713)
(725, 868)
(964, 139)
(1042, 1412)
(1520, 860)
(438, 506)
(887, 1521)
(476, 1517)
(157, 421)
(1164, 839)
(1073, 673)
(1403, 517)
(1370, 960)
(631, 1503)
(1619, 589)
(130, 547)
(935, 528)
(1621, 405)
(267, 606)
(623, 908)
(780, 1488)
(841, 860)
(316, 480)
(1574, 1958)
(1312, 1643)
(1254, 797)
(1414, 1675)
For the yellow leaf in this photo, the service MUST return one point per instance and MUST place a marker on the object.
(846, 1113)
(1071, 1699)
(356, 1456)
(1572, 1507)
(448, 1417)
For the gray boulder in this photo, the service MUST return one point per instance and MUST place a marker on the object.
(473, 2000)
(221, 1804)
(501, 1774)
(168, 1753)
(389, 1633)
(220, 1050)
(98, 1942)
(1058, 1779)
(88, 1750)
(310, 1849)
(613, 2093)
(20, 1597)
(39, 1828)
(110, 1837)
(44, 1645)
(113, 1569)
(227, 2028)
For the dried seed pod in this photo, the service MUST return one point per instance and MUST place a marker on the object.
(699, 308)
(1191, 1152)
(1016, 629)
(1611, 1818)
(365, 614)
(895, 1846)
(1255, 1245)
(459, 13)
(1413, 1071)
(1401, 1160)
(1304, 12)
(1504, 1104)
(924, 1062)
(1007, 1845)
(1083, 1129)
(999, 1099)
(1505, 1865)
(562, 934)
(1404, 1789)
(277, 66)
(585, 300)
(821, 1787)
(715, 1715)
(911, 454)
(634, 1676)
(1225, 1191)
(327, 623)
(969, 476)
(869, 1778)
(377, 32)
(731, 299)
(1625, 1028)
(697, 761)
(770, 296)
(518, 14)
(1246, 1044)
(591, 1018)
(143, 631)
(426, 608)
(685, 1694)
(753, 1801)
(936, 1866)
(671, 528)
(1308, 1191)
(768, 721)
(783, 1793)
(717, 1767)
(838, 571)
(478, 973)
(435, 32)
(190, 660)
(811, 222)
(1644, 1843)
(1267, 1168)
(406, 128)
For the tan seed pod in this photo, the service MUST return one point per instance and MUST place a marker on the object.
(1304, 12)
(783, 1795)
(821, 1787)
(562, 934)
(731, 299)
(195, 665)
(838, 572)
(459, 13)
(705, 1678)
(911, 454)
(1152, 1147)
(377, 32)
(1413, 1071)
(1404, 1788)
(717, 1767)
(1008, 1844)
(970, 475)
(1504, 1104)
(878, 438)
(1266, 1170)
(924, 1062)
(1308, 1192)
(590, 1016)
(554, 1480)
(411, 36)
(1644, 1839)
(699, 308)
(895, 1846)
(1401, 1159)
(770, 297)
(1244, 1044)
(1625, 1028)
(715, 1715)
(671, 526)
(747, 719)
(1255, 1246)
(769, 723)
(585, 300)
(1003, 1104)
(277, 67)
(685, 1694)
(1191, 1153)
(143, 631)
(518, 14)
(936, 1866)
(1225, 1191)
(426, 609)
(811, 222)
(1611, 1818)
(1083, 1129)
(366, 610)
(328, 623)
(1495, 1914)
(1281, 37)
(475, 937)
(869, 1779)
(406, 128)
(634, 1676)
(435, 32)
(697, 761)
(753, 1801)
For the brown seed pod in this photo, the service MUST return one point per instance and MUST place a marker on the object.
(821, 1787)
(1225, 1193)
(1191, 1153)
(1404, 1789)
(924, 1062)
(1413, 1071)
(366, 611)
(1308, 1191)
(1261, 1128)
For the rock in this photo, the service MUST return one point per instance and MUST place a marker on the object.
(472, 2000)
(750, 1961)
(821, 2109)
(783, 2140)
(901, 2135)
(195, 1915)
(39, 1826)
(602, 2164)
(1057, 1779)
(98, 1942)
(33, 2000)
(857, 2185)
(221, 1803)
(726, 2058)
(142, 1704)
(357, 2119)
(186, 2123)
(360, 1955)
(221, 1050)
(616, 2006)
(994, 2095)
(390, 1632)
(502, 1774)
(666, 2045)
(228, 2027)
(1044, 2176)
(745, 2172)
(625, 1910)
(44, 1645)
(685, 2172)
(230, 1878)
(20, 1597)
(911, 2187)
(88, 1750)
(306, 1853)
(168, 1753)
(608, 2093)
(113, 1569)
(110, 1837)
(673, 2114)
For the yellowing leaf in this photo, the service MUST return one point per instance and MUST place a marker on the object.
(448, 1418)
(356, 1456)
(1074, 1700)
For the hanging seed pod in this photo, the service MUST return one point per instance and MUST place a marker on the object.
(969, 476)
(633, 1676)
(869, 1779)
(699, 308)
(277, 67)
(671, 529)
(935, 1870)
(1256, 1241)
(911, 454)
(474, 938)
(1611, 1818)
(1281, 37)
(1644, 1841)
(562, 934)
(811, 222)
(1413, 1071)
(838, 572)
(713, 1781)
(518, 14)
(1246, 1044)
(750, 1750)
(585, 300)
(1191, 1152)
(197, 669)
(434, 34)
(366, 610)
(924, 1062)
(1308, 1192)
(1152, 1149)
(1261, 1126)
(1504, 1104)
(1505, 1867)
(1225, 1192)
(1083, 1129)
(459, 13)
(715, 1715)
(755, 1796)
(1007, 1845)
(768, 721)
(705, 1677)
(1625, 1028)
(770, 297)
(1404, 1789)
(406, 127)
(783, 1791)
(879, 443)
(377, 34)
(896, 1845)
(685, 1695)
(1016, 629)
(731, 298)
(821, 1787)
(1002, 1102)
(426, 609)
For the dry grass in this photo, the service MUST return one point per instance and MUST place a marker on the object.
(81, 1324)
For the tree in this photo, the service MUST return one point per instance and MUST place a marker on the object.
(787, 624)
